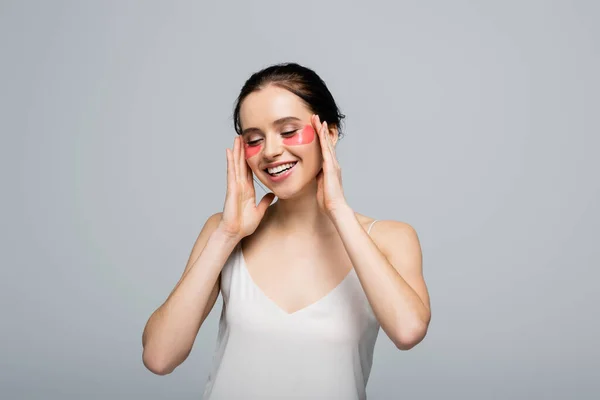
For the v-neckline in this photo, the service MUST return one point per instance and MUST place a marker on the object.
(244, 266)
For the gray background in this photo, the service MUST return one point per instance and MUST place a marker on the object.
(476, 122)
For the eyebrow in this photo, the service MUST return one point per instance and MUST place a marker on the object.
(277, 122)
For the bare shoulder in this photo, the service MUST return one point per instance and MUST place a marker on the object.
(391, 231)
(214, 219)
(396, 239)
(211, 223)
(400, 244)
(384, 227)
(209, 227)
(364, 220)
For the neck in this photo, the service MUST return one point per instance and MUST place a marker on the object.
(301, 214)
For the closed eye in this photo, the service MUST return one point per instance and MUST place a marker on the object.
(256, 141)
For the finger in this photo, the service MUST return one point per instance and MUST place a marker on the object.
(243, 165)
(326, 149)
(316, 122)
(241, 159)
(325, 141)
(230, 169)
(249, 176)
(330, 143)
(246, 170)
(265, 202)
(318, 126)
(236, 162)
(326, 134)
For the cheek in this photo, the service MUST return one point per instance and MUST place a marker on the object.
(305, 136)
(251, 151)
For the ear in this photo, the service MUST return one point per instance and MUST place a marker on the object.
(333, 134)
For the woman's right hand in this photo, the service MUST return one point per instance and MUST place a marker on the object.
(241, 214)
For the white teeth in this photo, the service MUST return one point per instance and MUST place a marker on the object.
(280, 168)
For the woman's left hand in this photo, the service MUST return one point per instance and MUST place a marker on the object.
(330, 193)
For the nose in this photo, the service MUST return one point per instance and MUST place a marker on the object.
(273, 147)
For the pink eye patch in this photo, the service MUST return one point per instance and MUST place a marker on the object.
(303, 136)
(251, 150)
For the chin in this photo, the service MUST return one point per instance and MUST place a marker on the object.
(285, 194)
(293, 191)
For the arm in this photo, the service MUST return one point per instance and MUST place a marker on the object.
(171, 330)
(389, 270)
(389, 267)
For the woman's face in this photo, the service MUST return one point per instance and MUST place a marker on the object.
(277, 132)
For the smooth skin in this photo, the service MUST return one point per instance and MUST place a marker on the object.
(311, 227)
(172, 329)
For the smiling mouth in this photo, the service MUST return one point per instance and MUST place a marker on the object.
(280, 169)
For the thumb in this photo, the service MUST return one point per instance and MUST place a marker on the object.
(264, 203)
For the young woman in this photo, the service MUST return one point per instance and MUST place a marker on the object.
(306, 282)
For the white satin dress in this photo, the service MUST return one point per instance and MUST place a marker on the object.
(322, 351)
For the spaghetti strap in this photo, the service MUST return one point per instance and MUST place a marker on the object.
(370, 226)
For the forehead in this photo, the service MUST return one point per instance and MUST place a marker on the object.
(259, 109)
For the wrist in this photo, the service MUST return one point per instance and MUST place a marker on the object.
(222, 236)
(341, 212)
